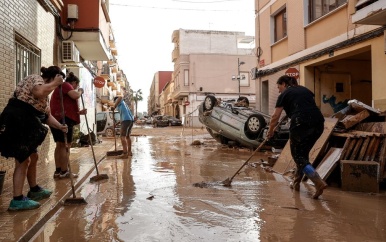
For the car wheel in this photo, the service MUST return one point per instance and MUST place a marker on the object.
(243, 98)
(109, 132)
(255, 123)
(209, 102)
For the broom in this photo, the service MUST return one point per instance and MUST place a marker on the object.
(227, 182)
(74, 200)
(115, 152)
(98, 176)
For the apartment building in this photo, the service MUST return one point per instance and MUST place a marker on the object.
(336, 48)
(210, 62)
(156, 100)
(75, 35)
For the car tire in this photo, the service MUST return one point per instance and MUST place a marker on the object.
(209, 102)
(109, 132)
(254, 125)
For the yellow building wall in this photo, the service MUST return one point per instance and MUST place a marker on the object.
(328, 27)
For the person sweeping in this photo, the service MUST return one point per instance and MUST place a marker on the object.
(127, 121)
(307, 125)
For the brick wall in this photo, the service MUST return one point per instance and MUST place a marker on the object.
(30, 20)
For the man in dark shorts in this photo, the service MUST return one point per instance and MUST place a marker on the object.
(307, 125)
(127, 121)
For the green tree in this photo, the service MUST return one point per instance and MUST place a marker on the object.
(136, 97)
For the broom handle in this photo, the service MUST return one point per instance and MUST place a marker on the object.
(65, 140)
(257, 149)
(89, 137)
(254, 152)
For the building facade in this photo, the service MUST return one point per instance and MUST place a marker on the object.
(160, 80)
(210, 62)
(337, 49)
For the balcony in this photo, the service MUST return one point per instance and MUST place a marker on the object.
(175, 54)
(370, 13)
(175, 36)
(90, 31)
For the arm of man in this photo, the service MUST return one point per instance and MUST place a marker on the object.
(274, 121)
(42, 91)
(119, 99)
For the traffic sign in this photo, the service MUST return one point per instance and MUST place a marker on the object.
(99, 81)
(186, 103)
(292, 72)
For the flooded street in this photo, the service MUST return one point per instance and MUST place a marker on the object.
(151, 197)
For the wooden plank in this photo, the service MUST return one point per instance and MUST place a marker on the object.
(364, 148)
(357, 147)
(329, 162)
(382, 156)
(376, 146)
(285, 162)
(350, 148)
(353, 133)
(345, 146)
(370, 149)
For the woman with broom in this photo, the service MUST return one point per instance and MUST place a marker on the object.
(22, 131)
(71, 93)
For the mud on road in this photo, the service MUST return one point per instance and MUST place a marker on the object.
(151, 197)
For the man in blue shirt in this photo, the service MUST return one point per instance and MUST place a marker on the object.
(127, 121)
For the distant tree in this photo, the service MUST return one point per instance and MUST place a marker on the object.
(137, 97)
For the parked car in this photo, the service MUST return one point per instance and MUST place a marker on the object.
(105, 123)
(173, 121)
(160, 121)
(227, 121)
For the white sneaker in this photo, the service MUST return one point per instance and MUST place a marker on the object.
(67, 175)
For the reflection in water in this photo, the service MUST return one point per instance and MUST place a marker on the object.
(259, 206)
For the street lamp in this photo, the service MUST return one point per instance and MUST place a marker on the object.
(239, 78)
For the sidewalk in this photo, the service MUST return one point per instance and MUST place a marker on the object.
(22, 225)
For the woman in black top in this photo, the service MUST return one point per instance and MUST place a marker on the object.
(307, 124)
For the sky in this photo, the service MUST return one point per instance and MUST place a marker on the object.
(143, 30)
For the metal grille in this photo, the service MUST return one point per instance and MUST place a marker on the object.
(28, 58)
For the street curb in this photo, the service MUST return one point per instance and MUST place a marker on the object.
(27, 236)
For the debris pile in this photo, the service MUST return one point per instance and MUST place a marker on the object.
(351, 151)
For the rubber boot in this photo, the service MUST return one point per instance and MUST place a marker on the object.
(320, 184)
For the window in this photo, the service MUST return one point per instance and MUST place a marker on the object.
(186, 78)
(319, 8)
(280, 25)
(27, 58)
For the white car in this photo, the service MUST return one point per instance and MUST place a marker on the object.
(105, 123)
(226, 122)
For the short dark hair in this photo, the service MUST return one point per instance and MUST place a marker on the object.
(72, 78)
(51, 72)
(288, 80)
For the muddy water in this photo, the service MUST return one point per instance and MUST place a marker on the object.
(151, 197)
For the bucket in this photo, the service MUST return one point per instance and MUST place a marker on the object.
(2, 179)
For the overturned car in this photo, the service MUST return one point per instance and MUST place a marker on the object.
(234, 121)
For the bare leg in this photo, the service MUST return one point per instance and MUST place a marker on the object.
(124, 144)
(61, 156)
(31, 170)
(19, 175)
(128, 139)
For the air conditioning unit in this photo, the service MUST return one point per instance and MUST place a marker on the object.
(69, 52)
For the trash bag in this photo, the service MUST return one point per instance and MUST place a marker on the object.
(84, 139)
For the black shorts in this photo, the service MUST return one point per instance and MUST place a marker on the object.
(126, 126)
(59, 135)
